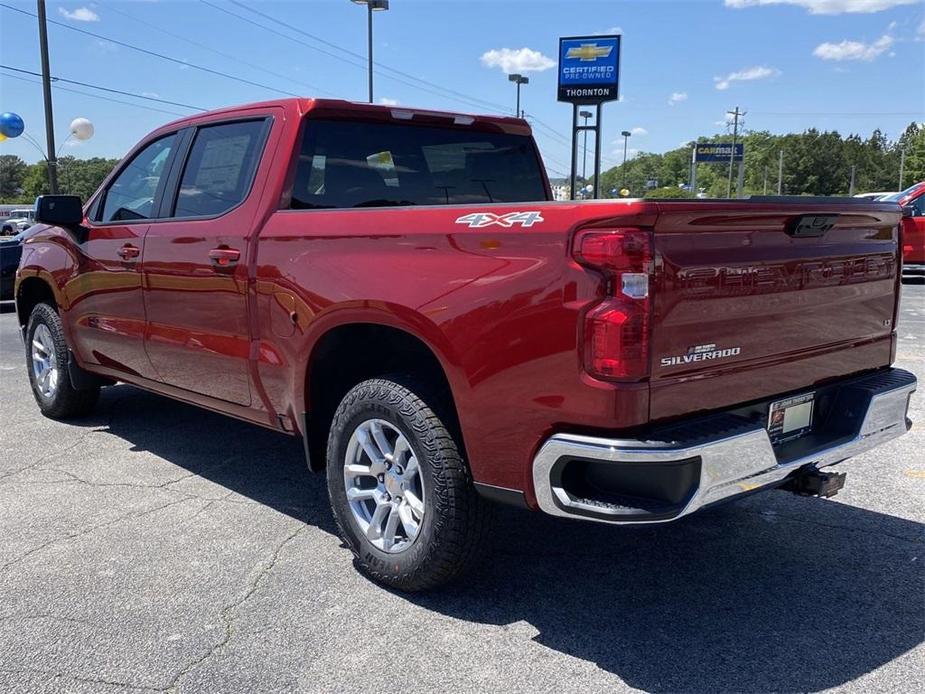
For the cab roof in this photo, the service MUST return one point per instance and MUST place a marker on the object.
(339, 107)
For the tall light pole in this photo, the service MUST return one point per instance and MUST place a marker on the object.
(51, 159)
(518, 80)
(584, 162)
(371, 6)
(902, 165)
(626, 138)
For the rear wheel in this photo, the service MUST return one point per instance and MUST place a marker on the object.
(46, 358)
(400, 490)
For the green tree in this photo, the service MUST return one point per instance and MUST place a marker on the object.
(667, 192)
(12, 173)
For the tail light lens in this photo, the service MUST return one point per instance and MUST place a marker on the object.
(616, 330)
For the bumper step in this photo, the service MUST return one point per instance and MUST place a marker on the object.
(683, 467)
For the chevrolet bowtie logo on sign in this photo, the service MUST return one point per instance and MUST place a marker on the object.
(589, 51)
(589, 69)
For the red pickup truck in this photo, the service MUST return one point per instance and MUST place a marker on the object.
(912, 201)
(398, 288)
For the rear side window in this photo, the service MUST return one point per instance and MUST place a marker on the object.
(219, 168)
(363, 164)
(131, 195)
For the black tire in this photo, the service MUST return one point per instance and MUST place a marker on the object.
(453, 532)
(66, 401)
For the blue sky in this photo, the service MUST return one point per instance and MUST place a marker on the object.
(849, 65)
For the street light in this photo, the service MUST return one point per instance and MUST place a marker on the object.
(518, 80)
(371, 6)
(626, 138)
(584, 162)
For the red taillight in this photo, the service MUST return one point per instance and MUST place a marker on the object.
(615, 251)
(616, 330)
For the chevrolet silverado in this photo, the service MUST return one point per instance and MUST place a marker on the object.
(398, 288)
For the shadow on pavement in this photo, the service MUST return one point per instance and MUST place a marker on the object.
(775, 593)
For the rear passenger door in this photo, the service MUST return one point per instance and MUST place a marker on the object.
(195, 265)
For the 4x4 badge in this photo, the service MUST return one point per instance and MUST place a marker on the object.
(478, 220)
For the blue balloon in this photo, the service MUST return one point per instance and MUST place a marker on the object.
(11, 124)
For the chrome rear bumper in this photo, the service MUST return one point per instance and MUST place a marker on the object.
(733, 461)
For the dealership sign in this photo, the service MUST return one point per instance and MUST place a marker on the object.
(718, 152)
(589, 69)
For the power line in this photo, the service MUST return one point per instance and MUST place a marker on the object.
(153, 53)
(93, 96)
(106, 89)
(415, 78)
(833, 113)
(443, 93)
(226, 56)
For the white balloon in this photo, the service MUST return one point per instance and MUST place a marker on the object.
(81, 129)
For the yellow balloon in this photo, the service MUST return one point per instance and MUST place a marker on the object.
(2, 137)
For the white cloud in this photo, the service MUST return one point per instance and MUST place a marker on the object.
(81, 14)
(759, 72)
(920, 32)
(854, 50)
(385, 101)
(677, 98)
(153, 95)
(610, 30)
(827, 6)
(639, 131)
(512, 60)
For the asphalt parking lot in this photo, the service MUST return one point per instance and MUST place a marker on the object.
(158, 547)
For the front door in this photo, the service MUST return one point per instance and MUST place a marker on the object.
(105, 295)
(195, 265)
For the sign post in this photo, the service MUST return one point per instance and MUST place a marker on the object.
(589, 74)
(716, 153)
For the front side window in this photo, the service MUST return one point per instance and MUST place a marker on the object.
(363, 164)
(220, 168)
(131, 195)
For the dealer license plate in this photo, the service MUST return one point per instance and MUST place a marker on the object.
(790, 418)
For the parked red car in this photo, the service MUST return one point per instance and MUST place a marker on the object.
(912, 201)
(398, 288)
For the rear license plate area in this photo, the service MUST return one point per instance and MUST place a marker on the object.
(791, 418)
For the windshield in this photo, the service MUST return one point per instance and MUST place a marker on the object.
(896, 197)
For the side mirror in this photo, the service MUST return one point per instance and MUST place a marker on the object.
(59, 210)
(909, 211)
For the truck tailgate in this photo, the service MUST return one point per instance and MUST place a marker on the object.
(750, 300)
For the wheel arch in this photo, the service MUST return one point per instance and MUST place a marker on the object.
(351, 352)
(31, 291)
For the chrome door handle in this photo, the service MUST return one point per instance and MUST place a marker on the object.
(128, 252)
(224, 257)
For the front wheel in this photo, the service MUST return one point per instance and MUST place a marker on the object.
(46, 359)
(400, 491)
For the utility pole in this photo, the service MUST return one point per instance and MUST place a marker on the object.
(780, 174)
(584, 162)
(735, 133)
(765, 190)
(902, 165)
(851, 185)
(46, 89)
